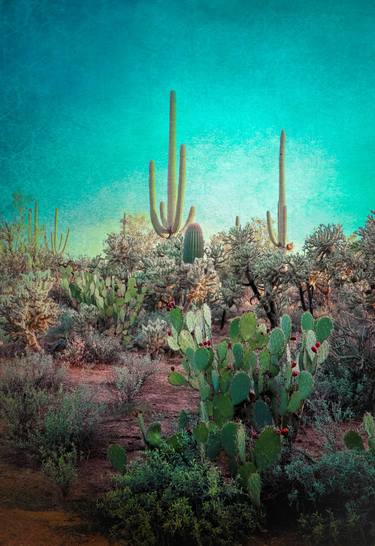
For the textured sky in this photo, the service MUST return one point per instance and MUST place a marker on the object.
(84, 107)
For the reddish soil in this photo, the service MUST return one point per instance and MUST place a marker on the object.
(31, 512)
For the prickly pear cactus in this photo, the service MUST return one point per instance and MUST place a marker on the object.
(118, 303)
(117, 457)
(252, 386)
(354, 441)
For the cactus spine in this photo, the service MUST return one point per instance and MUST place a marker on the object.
(170, 219)
(280, 240)
(193, 243)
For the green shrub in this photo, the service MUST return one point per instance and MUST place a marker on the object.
(71, 423)
(342, 482)
(22, 412)
(172, 498)
(60, 467)
(27, 386)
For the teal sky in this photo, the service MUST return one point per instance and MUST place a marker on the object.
(84, 107)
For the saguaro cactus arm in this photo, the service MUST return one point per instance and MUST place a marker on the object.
(158, 227)
(271, 232)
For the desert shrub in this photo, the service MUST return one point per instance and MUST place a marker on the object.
(28, 310)
(32, 369)
(71, 423)
(326, 528)
(130, 376)
(91, 349)
(27, 385)
(22, 412)
(60, 467)
(173, 498)
(342, 482)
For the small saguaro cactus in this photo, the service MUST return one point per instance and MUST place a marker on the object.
(33, 228)
(281, 240)
(237, 222)
(193, 243)
(57, 244)
(170, 219)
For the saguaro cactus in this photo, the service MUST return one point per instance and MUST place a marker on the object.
(193, 243)
(57, 244)
(170, 220)
(280, 240)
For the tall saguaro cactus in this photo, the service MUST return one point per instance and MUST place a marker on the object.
(281, 240)
(170, 219)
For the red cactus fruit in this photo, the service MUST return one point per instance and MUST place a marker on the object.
(295, 373)
(172, 368)
(317, 344)
(169, 332)
(209, 343)
(254, 435)
(278, 431)
(294, 364)
(293, 338)
(284, 431)
(314, 349)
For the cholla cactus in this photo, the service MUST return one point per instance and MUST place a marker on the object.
(324, 241)
(29, 311)
(202, 283)
(124, 250)
(153, 336)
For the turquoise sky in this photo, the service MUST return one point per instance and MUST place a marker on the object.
(84, 107)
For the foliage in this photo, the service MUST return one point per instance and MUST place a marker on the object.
(172, 498)
(342, 482)
(60, 466)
